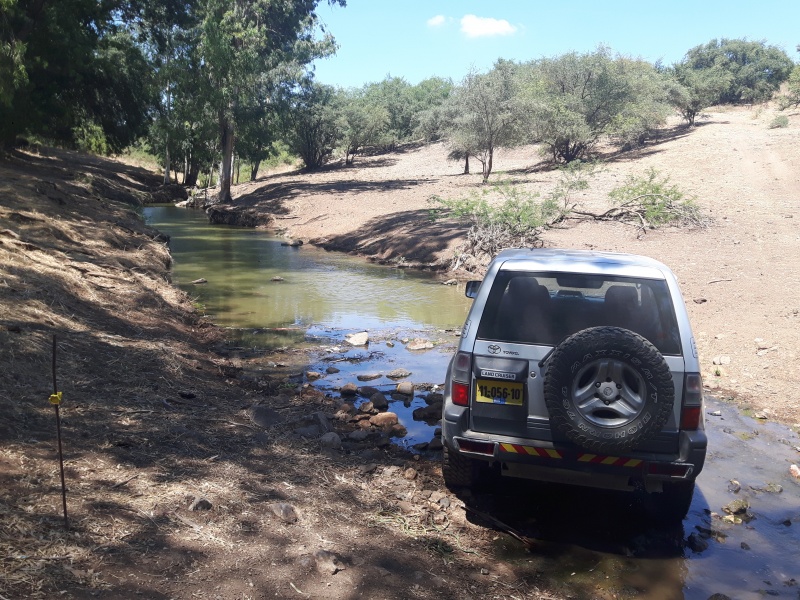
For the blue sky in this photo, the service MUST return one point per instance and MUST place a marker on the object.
(416, 39)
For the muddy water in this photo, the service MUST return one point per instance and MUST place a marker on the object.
(318, 289)
(589, 544)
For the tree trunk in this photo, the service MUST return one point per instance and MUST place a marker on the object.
(225, 170)
(254, 169)
(466, 165)
(487, 166)
(192, 172)
(166, 164)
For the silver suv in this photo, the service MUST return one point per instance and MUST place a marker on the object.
(577, 367)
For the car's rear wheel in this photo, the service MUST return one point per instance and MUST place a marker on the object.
(673, 504)
(460, 471)
(608, 389)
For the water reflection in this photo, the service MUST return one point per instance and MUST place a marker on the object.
(318, 287)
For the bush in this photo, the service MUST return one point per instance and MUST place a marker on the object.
(652, 201)
(89, 137)
(508, 216)
(779, 121)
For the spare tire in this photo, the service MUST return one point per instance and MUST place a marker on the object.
(608, 389)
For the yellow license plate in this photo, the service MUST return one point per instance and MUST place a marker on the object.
(498, 392)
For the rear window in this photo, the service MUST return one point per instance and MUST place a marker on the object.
(546, 308)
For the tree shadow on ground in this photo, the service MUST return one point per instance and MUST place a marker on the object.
(409, 234)
(272, 197)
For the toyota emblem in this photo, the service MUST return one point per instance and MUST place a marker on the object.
(494, 349)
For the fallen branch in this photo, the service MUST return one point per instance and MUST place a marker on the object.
(121, 483)
(529, 542)
(718, 280)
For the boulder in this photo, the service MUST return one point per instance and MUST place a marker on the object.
(379, 401)
(434, 398)
(285, 512)
(327, 562)
(419, 344)
(368, 376)
(200, 503)
(386, 419)
(406, 388)
(264, 416)
(357, 339)
(398, 374)
(331, 440)
(349, 389)
(427, 413)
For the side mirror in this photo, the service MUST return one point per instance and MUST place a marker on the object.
(472, 289)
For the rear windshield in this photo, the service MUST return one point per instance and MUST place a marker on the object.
(546, 308)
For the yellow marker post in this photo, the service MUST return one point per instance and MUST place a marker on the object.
(55, 400)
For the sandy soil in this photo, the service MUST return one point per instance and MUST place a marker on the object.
(158, 412)
(737, 276)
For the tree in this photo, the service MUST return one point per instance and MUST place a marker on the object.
(240, 39)
(755, 70)
(315, 123)
(575, 100)
(792, 97)
(698, 89)
(56, 75)
(485, 115)
(363, 123)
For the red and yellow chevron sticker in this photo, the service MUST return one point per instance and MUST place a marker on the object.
(615, 461)
(530, 450)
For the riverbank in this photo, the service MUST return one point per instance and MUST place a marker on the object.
(734, 274)
(187, 470)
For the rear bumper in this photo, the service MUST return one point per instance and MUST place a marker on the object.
(562, 463)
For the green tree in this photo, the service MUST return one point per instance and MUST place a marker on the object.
(240, 39)
(576, 100)
(429, 115)
(756, 70)
(698, 89)
(67, 69)
(315, 123)
(363, 123)
(484, 114)
(792, 97)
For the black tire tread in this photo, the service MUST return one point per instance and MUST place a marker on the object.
(458, 471)
(580, 343)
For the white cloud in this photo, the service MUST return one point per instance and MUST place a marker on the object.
(436, 21)
(473, 26)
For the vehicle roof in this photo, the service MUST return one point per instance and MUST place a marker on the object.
(582, 261)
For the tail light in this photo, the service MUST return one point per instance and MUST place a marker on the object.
(692, 408)
(461, 372)
(460, 394)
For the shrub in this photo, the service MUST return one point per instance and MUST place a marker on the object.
(89, 137)
(508, 216)
(779, 121)
(651, 201)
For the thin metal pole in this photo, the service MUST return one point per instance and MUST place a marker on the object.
(56, 400)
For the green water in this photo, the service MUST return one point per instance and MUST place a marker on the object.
(320, 290)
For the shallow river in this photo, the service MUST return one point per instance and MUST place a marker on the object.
(591, 545)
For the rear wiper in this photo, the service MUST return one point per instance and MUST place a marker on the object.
(546, 356)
